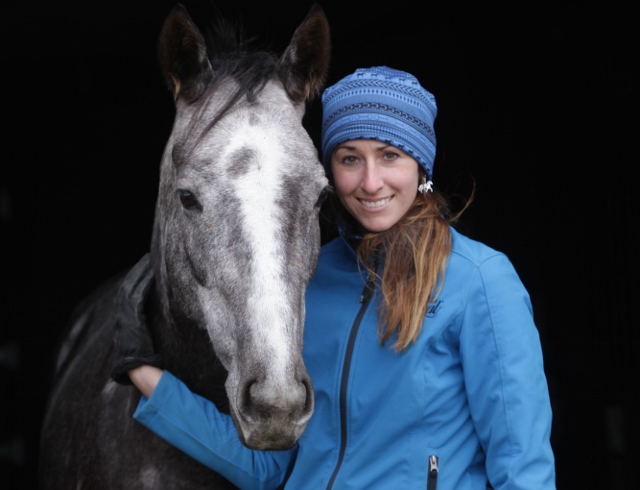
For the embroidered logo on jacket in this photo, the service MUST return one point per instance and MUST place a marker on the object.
(433, 308)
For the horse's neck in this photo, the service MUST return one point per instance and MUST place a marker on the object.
(187, 353)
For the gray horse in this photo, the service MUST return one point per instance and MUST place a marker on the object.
(235, 241)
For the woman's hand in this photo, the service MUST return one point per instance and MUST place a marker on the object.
(145, 378)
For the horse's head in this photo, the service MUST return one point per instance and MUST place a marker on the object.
(236, 234)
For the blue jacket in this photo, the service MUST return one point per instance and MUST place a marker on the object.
(470, 396)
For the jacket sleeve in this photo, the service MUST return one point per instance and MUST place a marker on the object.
(195, 426)
(505, 380)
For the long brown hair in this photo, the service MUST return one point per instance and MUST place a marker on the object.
(412, 255)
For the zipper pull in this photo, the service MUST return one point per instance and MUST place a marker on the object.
(432, 478)
(433, 464)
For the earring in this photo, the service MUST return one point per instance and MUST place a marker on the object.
(425, 186)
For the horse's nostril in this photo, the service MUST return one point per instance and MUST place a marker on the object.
(247, 402)
(309, 400)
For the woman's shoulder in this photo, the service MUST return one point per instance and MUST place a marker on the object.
(471, 250)
(472, 258)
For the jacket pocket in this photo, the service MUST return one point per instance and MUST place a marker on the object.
(432, 473)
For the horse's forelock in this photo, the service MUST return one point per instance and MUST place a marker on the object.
(246, 73)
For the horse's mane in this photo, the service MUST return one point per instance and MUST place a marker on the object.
(231, 55)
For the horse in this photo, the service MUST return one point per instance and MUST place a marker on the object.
(235, 241)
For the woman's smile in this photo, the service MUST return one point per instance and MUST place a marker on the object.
(375, 204)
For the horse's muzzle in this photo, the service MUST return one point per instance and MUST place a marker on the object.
(272, 415)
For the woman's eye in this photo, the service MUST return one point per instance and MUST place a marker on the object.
(189, 200)
(390, 155)
(349, 160)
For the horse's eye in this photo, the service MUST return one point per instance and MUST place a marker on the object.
(323, 195)
(189, 200)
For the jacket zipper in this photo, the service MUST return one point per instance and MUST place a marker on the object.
(365, 299)
(432, 477)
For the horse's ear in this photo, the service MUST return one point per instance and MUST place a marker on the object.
(182, 54)
(304, 64)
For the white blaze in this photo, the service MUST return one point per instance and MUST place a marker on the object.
(257, 190)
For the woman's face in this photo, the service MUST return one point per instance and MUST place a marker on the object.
(376, 182)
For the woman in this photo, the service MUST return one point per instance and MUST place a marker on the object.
(420, 342)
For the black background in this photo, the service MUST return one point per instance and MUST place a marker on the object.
(537, 104)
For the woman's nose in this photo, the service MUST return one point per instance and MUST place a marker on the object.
(372, 179)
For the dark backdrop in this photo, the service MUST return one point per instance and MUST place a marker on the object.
(537, 105)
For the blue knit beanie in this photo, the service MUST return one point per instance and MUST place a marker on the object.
(383, 104)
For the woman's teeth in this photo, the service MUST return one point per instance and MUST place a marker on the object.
(375, 204)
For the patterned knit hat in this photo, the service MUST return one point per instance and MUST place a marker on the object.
(383, 104)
